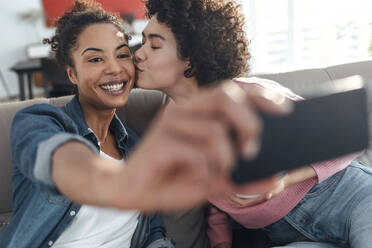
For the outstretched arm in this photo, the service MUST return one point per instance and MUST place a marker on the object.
(184, 158)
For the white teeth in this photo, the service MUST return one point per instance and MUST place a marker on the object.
(112, 87)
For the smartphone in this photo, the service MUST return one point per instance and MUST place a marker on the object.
(318, 129)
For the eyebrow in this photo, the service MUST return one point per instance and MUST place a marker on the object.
(153, 36)
(100, 50)
(121, 46)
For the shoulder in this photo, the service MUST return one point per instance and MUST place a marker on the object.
(42, 115)
(41, 110)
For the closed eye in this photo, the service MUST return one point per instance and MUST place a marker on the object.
(152, 46)
(123, 56)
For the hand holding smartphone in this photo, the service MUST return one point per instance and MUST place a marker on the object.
(318, 129)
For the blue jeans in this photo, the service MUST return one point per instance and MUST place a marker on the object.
(334, 213)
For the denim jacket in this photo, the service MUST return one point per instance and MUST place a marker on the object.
(40, 212)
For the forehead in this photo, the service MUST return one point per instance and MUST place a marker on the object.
(156, 27)
(100, 36)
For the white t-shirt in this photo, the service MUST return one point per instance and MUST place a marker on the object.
(99, 227)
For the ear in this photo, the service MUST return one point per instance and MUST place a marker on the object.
(187, 63)
(190, 66)
(71, 73)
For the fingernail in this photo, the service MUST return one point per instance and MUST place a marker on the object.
(251, 149)
(269, 196)
(252, 196)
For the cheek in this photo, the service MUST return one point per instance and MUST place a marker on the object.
(131, 70)
(131, 75)
(87, 75)
(166, 69)
(90, 79)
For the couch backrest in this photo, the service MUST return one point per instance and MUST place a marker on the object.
(138, 112)
(304, 82)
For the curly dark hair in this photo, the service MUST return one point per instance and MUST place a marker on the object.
(210, 33)
(70, 25)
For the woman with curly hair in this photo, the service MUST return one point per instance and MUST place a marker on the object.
(209, 39)
(190, 44)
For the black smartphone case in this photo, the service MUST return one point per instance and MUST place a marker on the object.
(318, 129)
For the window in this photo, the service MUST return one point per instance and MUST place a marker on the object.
(293, 34)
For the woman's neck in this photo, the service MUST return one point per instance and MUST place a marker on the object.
(98, 120)
(182, 91)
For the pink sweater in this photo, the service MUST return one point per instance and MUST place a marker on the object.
(268, 212)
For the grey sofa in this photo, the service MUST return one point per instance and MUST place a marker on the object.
(137, 114)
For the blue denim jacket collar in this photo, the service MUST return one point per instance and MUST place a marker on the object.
(74, 110)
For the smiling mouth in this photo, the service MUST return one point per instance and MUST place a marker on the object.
(113, 87)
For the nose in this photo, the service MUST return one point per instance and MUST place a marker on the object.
(113, 67)
(139, 55)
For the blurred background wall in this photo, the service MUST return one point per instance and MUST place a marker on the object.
(285, 34)
(21, 23)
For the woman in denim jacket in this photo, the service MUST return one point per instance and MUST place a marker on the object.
(46, 210)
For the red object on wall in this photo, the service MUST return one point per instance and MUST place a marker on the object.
(55, 8)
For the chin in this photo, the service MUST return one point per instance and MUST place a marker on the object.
(142, 85)
(117, 101)
(146, 86)
(117, 104)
